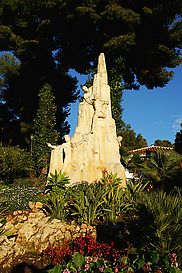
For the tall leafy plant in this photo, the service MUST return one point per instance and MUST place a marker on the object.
(56, 198)
(57, 182)
(87, 202)
(114, 200)
(103, 200)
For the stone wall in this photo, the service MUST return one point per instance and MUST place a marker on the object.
(33, 230)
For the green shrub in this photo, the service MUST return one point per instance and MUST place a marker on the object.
(114, 204)
(104, 200)
(14, 163)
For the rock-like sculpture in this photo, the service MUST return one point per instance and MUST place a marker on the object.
(94, 147)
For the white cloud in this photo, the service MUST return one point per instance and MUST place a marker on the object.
(159, 122)
(176, 124)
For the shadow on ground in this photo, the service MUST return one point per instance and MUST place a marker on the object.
(26, 268)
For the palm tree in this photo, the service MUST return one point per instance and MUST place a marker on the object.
(162, 169)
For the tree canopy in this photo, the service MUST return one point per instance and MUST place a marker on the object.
(164, 143)
(141, 41)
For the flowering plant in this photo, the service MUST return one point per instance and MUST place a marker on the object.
(80, 264)
(85, 254)
(85, 245)
(89, 264)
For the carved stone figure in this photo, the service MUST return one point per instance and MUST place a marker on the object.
(94, 147)
(60, 156)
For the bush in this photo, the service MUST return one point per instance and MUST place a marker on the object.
(14, 163)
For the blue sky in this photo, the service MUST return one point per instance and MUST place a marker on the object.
(156, 114)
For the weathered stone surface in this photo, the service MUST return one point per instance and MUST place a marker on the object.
(26, 231)
(94, 147)
(35, 205)
(35, 234)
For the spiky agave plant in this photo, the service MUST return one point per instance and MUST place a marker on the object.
(57, 182)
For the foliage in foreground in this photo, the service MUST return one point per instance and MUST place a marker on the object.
(103, 200)
(142, 219)
(85, 254)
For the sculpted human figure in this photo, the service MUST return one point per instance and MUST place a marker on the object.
(88, 96)
(85, 112)
(66, 152)
(119, 139)
(60, 155)
(56, 161)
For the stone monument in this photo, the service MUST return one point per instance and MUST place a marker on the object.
(94, 147)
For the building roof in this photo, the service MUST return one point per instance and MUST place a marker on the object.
(152, 148)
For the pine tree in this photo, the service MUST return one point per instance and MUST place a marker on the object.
(44, 128)
(140, 142)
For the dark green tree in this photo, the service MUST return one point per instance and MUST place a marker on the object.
(164, 143)
(140, 142)
(141, 40)
(9, 68)
(44, 129)
(178, 141)
(19, 97)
